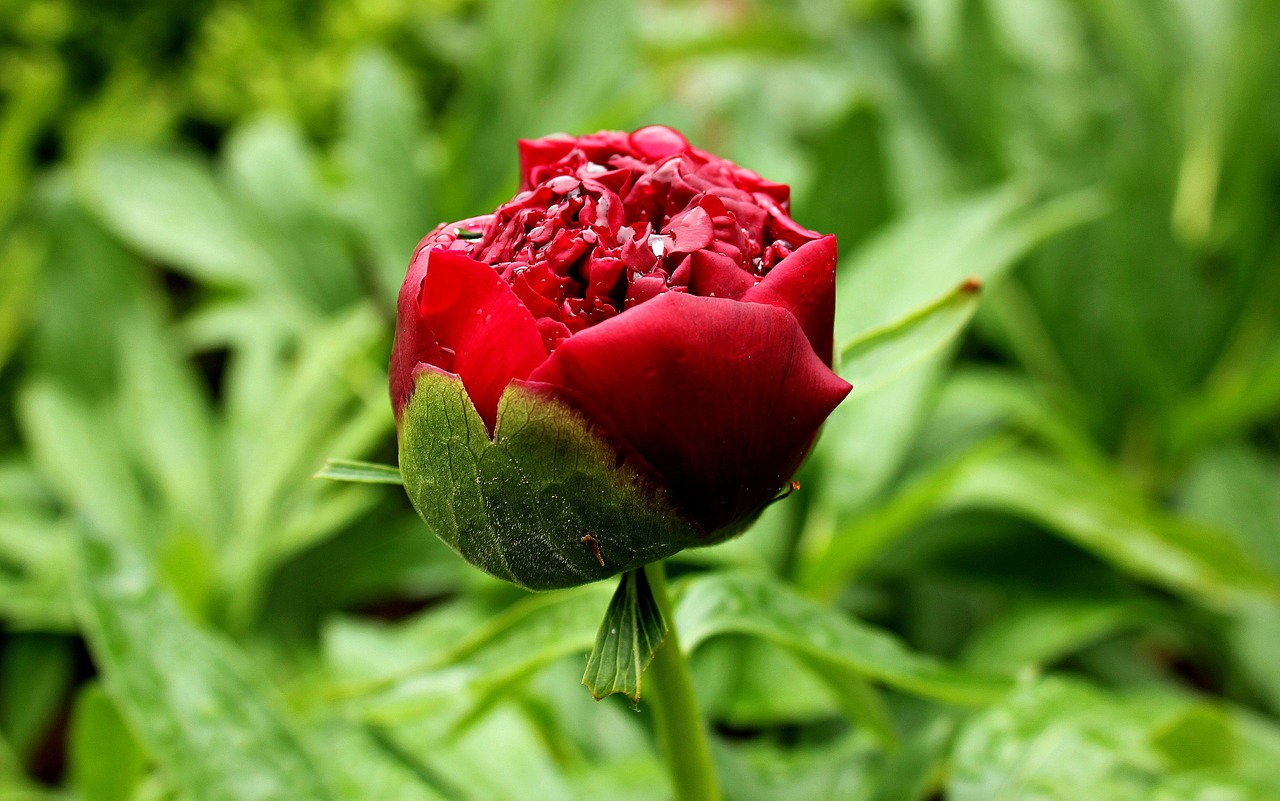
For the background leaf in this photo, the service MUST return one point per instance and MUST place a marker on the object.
(726, 603)
(204, 714)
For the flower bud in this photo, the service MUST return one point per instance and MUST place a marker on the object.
(628, 358)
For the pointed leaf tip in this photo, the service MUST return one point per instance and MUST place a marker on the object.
(359, 472)
(632, 631)
(876, 357)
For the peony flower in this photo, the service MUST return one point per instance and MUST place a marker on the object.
(630, 357)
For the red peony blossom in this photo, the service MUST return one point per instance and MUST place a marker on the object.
(644, 334)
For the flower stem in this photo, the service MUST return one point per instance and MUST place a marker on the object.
(682, 735)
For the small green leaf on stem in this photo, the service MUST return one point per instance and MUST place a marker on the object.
(359, 472)
(631, 632)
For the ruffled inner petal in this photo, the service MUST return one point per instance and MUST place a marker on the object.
(465, 320)
(804, 283)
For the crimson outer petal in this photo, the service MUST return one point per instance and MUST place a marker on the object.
(804, 283)
(457, 314)
(721, 398)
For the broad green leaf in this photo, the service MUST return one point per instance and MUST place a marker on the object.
(359, 472)
(1011, 322)
(336, 400)
(35, 571)
(1200, 737)
(171, 208)
(876, 357)
(923, 254)
(1213, 786)
(22, 253)
(88, 283)
(630, 634)
(35, 676)
(106, 763)
(1042, 633)
(199, 708)
(34, 92)
(1056, 739)
(28, 604)
(849, 547)
(384, 155)
(456, 676)
(1237, 489)
(1100, 515)
(596, 733)
(187, 563)
(1255, 641)
(362, 769)
(514, 90)
(737, 679)
(438, 681)
(272, 176)
(862, 445)
(851, 210)
(915, 771)
(977, 401)
(502, 758)
(12, 778)
(15, 785)
(1243, 387)
(1053, 741)
(737, 604)
(899, 271)
(843, 769)
(268, 163)
(860, 702)
(168, 424)
(73, 444)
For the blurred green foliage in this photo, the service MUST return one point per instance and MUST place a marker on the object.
(1042, 561)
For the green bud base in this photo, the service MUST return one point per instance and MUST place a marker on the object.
(545, 503)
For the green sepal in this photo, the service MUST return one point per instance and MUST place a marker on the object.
(545, 504)
(630, 634)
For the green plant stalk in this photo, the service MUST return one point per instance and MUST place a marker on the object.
(682, 734)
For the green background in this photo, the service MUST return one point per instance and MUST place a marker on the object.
(1039, 561)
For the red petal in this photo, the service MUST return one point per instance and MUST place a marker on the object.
(658, 141)
(644, 288)
(716, 276)
(535, 153)
(466, 320)
(691, 230)
(804, 284)
(721, 398)
(553, 332)
(603, 274)
(412, 344)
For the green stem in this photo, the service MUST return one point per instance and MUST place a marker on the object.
(682, 736)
